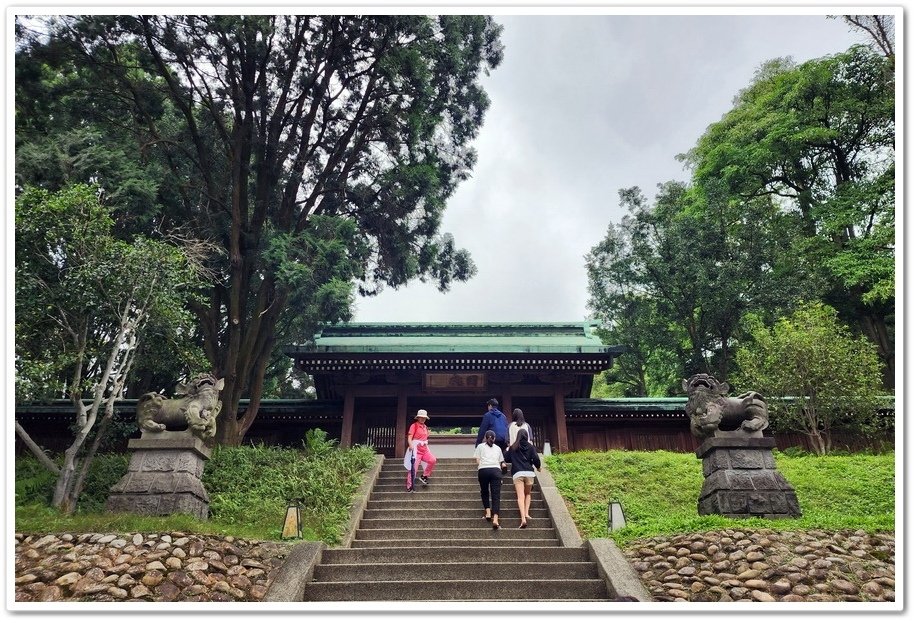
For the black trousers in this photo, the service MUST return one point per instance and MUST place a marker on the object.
(491, 483)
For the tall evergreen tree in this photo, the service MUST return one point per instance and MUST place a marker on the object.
(819, 139)
(319, 151)
(676, 276)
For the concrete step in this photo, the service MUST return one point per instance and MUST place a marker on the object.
(449, 512)
(424, 522)
(449, 465)
(469, 471)
(426, 571)
(465, 475)
(512, 531)
(466, 467)
(444, 461)
(432, 493)
(493, 538)
(449, 487)
(434, 545)
(467, 553)
(456, 590)
(437, 476)
(420, 502)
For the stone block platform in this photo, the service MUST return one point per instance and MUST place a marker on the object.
(741, 480)
(163, 477)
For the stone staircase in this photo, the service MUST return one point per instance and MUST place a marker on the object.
(433, 545)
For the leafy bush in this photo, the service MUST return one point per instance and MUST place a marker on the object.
(249, 488)
(106, 471)
(317, 443)
(831, 379)
(252, 485)
(34, 483)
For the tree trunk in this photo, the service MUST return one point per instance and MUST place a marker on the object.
(723, 364)
(643, 387)
(80, 481)
(875, 328)
(227, 425)
(36, 450)
(61, 499)
(817, 442)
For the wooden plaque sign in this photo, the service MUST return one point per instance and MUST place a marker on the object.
(455, 381)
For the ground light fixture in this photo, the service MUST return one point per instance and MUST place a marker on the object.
(615, 517)
(292, 524)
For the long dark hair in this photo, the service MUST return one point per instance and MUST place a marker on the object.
(519, 418)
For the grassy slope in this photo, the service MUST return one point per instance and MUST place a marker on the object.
(659, 492)
(249, 488)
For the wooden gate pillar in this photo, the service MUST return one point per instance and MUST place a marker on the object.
(559, 415)
(346, 431)
(400, 425)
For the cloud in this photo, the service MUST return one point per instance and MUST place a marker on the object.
(581, 107)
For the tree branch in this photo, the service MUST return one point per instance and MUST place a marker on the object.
(36, 450)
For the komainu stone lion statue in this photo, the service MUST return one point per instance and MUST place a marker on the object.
(195, 407)
(712, 412)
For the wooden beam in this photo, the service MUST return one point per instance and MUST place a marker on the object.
(499, 391)
(346, 431)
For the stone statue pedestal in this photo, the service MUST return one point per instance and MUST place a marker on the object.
(741, 479)
(163, 477)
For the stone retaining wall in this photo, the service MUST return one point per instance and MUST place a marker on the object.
(137, 567)
(767, 565)
(725, 565)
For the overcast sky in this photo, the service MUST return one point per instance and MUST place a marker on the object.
(581, 107)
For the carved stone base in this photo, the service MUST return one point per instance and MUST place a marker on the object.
(163, 477)
(741, 480)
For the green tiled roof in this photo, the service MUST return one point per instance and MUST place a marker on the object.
(515, 337)
(624, 405)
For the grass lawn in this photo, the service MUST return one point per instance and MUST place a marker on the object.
(659, 492)
(249, 488)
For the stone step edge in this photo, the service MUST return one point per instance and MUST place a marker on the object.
(423, 590)
(495, 543)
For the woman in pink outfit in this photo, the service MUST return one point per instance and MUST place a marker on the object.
(418, 439)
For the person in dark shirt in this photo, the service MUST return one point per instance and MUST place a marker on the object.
(525, 460)
(496, 421)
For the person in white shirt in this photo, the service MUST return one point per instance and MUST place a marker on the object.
(518, 423)
(490, 465)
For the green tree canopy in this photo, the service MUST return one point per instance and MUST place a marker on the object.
(83, 301)
(819, 139)
(673, 279)
(319, 151)
(829, 378)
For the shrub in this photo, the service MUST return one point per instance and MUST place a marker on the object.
(249, 488)
(829, 378)
(252, 485)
